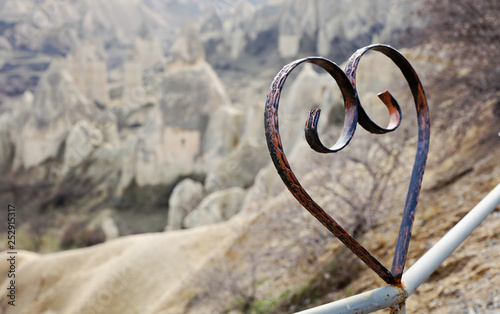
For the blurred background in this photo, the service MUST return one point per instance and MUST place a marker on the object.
(134, 129)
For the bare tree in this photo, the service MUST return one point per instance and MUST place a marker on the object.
(378, 170)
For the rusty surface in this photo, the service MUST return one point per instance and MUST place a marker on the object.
(354, 114)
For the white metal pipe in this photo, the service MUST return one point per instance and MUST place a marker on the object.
(387, 296)
(431, 260)
(366, 302)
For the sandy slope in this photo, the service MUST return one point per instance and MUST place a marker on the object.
(135, 274)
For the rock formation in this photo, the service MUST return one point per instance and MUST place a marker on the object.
(88, 68)
(187, 49)
(80, 143)
(174, 138)
(186, 195)
(216, 207)
(294, 27)
(57, 105)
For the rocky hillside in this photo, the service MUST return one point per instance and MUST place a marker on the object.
(293, 27)
(125, 124)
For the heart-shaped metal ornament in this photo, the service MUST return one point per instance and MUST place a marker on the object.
(354, 114)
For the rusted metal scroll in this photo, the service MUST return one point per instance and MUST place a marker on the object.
(354, 114)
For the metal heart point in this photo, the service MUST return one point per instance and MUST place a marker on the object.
(354, 114)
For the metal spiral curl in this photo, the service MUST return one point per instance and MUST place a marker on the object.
(354, 114)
